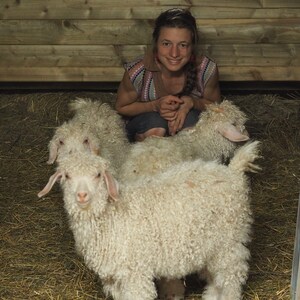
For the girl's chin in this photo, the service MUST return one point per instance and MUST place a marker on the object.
(173, 67)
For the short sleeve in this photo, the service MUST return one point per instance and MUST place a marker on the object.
(206, 69)
(136, 72)
(141, 79)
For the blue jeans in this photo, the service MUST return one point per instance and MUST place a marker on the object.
(145, 121)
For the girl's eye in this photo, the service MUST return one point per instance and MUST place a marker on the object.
(183, 45)
(166, 44)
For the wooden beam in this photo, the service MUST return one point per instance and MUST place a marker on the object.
(64, 74)
(78, 9)
(280, 55)
(112, 74)
(45, 10)
(136, 32)
(273, 73)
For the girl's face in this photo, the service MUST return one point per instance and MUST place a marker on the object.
(174, 48)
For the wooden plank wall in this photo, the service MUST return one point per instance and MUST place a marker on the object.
(89, 40)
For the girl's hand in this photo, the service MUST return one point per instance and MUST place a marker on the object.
(168, 105)
(188, 103)
(177, 122)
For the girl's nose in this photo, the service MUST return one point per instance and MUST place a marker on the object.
(174, 51)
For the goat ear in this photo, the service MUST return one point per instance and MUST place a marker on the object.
(112, 185)
(50, 184)
(232, 133)
(53, 148)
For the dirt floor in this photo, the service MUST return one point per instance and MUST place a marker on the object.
(37, 257)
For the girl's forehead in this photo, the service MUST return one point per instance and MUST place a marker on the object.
(175, 34)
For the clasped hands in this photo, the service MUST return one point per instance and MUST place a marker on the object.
(174, 110)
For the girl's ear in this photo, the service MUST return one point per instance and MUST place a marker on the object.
(50, 184)
(112, 185)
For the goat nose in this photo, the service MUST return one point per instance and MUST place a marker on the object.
(82, 196)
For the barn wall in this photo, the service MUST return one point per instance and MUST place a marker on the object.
(89, 40)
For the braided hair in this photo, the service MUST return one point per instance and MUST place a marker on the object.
(180, 18)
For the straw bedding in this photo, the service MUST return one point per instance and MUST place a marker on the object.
(37, 257)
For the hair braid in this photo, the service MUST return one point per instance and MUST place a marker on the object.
(191, 78)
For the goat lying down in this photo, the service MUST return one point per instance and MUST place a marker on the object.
(219, 131)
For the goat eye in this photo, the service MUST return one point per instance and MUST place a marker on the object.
(61, 142)
(98, 175)
(67, 176)
(86, 141)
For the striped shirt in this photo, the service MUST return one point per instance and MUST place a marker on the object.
(145, 77)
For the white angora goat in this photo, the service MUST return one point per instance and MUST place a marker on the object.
(193, 216)
(217, 134)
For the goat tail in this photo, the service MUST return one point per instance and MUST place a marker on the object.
(244, 157)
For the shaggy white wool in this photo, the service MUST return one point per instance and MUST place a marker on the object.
(194, 215)
(95, 127)
(219, 131)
